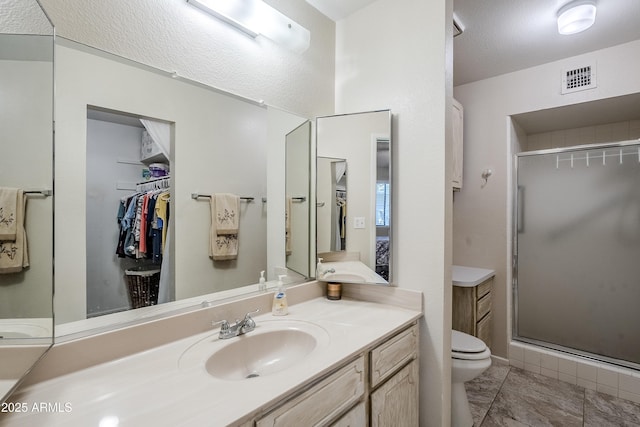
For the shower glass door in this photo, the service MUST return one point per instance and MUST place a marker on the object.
(577, 250)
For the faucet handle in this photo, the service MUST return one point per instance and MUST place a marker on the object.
(224, 325)
(248, 315)
(248, 324)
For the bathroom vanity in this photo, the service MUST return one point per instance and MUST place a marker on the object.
(349, 362)
(472, 301)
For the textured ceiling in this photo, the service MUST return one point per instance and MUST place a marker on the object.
(23, 17)
(502, 36)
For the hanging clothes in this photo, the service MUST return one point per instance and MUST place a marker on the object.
(143, 218)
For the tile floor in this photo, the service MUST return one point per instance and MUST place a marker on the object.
(508, 396)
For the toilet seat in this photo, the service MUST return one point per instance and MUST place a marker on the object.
(467, 347)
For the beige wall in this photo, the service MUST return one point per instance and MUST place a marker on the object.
(482, 213)
(409, 71)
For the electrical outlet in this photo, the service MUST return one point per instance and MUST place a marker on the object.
(358, 222)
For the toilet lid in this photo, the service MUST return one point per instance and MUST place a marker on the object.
(465, 343)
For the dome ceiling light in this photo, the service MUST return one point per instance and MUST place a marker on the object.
(576, 16)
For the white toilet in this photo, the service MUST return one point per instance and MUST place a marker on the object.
(470, 357)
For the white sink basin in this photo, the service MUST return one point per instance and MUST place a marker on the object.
(272, 347)
(349, 272)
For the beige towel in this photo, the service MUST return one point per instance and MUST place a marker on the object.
(221, 246)
(287, 226)
(14, 255)
(227, 213)
(8, 208)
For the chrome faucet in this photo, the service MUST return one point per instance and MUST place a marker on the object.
(239, 328)
(325, 272)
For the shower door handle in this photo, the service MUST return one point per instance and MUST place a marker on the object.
(520, 209)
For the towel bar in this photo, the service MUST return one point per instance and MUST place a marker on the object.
(208, 196)
(45, 192)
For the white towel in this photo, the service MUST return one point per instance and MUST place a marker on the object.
(14, 255)
(227, 213)
(8, 208)
(221, 246)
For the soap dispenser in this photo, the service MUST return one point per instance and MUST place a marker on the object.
(262, 283)
(319, 268)
(280, 306)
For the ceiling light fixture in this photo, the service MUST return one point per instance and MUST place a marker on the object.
(255, 17)
(576, 16)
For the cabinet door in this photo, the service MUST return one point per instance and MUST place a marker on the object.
(464, 310)
(457, 121)
(356, 417)
(395, 403)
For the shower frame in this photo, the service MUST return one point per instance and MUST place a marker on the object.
(515, 208)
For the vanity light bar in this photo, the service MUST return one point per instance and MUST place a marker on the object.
(228, 12)
(255, 17)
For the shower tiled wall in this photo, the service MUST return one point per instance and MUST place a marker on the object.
(602, 377)
(611, 132)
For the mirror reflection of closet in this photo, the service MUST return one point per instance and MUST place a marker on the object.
(128, 211)
(332, 204)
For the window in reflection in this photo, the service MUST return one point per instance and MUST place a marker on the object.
(382, 204)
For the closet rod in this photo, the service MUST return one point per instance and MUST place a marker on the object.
(208, 196)
(156, 179)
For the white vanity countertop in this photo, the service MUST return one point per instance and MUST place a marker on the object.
(150, 388)
(470, 276)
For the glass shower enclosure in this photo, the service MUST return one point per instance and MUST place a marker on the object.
(576, 251)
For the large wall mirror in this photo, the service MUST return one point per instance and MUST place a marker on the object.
(354, 193)
(26, 189)
(147, 170)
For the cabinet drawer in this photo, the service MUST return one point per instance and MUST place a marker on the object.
(484, 306)
(484, 287)
(484, 330)
(320, 404)
(393, 354)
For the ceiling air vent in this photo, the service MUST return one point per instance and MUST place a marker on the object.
(581, 78)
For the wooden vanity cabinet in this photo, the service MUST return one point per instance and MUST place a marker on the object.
(322, 403)
(394, 381)
(472, 310)
(392, 396)
(378, 388)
